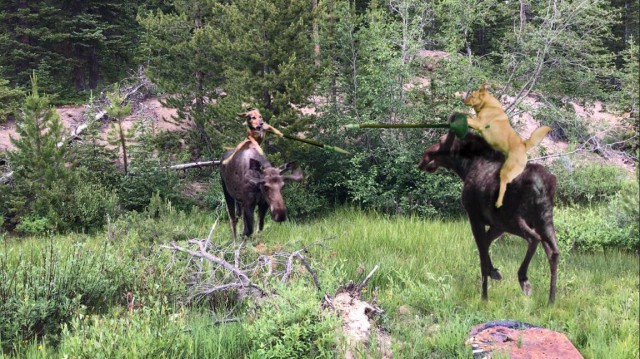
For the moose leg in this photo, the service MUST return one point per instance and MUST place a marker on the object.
(553, 253)
(533, 239)
(492, 234)
(524, 267)
(262, 211)
(482, 243)
(231, 211)
(247, 218)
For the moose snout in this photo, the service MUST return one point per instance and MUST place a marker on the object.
(279, 215)
(427, 165)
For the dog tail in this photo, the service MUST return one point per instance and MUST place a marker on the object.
(536, 137)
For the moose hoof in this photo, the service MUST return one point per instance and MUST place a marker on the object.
(526, 287)
(495, 275)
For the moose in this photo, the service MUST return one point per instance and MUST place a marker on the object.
(527, 210)
(249, 180)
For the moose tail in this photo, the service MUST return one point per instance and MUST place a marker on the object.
(536, 137)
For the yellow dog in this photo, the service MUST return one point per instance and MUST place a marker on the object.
(256, 132)
(493, 124)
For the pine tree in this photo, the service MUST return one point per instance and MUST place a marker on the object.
(10, 100)
(38, 161)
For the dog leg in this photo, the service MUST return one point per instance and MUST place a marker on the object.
(513, 166)
(473, 123)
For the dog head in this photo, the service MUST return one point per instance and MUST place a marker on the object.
(477, 97)
(254, 119)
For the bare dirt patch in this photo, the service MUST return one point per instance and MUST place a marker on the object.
(73, 116)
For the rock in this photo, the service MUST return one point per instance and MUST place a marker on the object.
(519, 341)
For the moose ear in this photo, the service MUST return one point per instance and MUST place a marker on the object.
(296, 175)
(287, 166)
(255, 165)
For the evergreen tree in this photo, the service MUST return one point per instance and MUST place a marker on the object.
(72, 45)
(38, 161)
(182, 53)
(10, 100)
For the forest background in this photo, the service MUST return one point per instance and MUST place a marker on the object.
(347, 61)
(311, 67)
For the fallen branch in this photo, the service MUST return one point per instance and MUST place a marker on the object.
(361, 286)
(185, 166)
(289, 268)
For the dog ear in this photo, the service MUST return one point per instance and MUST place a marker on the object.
(483, 87)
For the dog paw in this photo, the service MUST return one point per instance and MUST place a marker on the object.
(498, 204)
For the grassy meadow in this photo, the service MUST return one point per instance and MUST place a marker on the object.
(71, 291)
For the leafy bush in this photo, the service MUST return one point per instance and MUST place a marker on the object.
(302, 201)
(146, 179)
(292, 325)
(565, 124)
(153, 332)
(586, 183)
(31, 225)
(87, 208)
(593, 228)
(45, 284)
(156, 330)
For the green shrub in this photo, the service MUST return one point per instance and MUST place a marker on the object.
(146, 179)
(156, 330)
(151, 332)
(593, 228)
(586, 183)
(302, 201)
(624, 210)
(292, 325)
(31, 225)
(88, 207)
(566, 125)
(44, 284)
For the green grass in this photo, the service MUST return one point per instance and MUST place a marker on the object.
(428, 284)
(431, 270)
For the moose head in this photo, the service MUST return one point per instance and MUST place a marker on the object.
(271, 180)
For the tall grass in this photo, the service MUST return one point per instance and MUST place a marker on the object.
(428, 283)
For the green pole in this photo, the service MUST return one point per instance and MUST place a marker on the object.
(317, 144)
(458, 125)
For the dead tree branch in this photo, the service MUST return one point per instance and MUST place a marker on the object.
(289, 268)
(361, 286)
(199, 164)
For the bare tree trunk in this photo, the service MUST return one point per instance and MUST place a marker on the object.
(316, 32)
(124, 146)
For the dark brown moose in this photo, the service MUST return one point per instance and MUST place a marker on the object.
(249, 180)
(528, 206)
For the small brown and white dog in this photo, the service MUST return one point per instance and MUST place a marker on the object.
(256, 132)
(493, 124)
